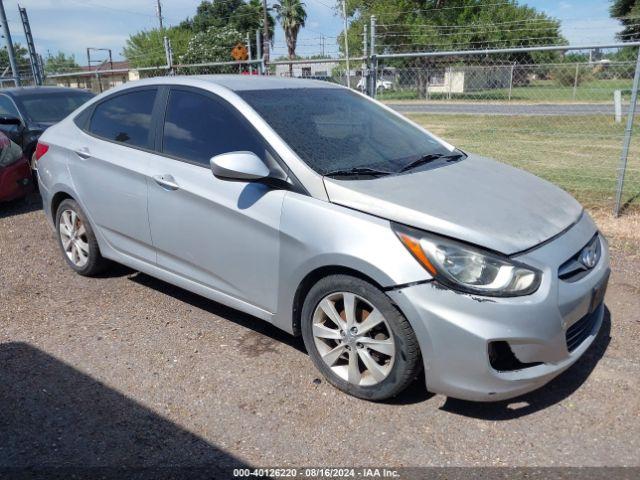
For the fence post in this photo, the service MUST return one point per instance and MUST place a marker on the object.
(259, 51)
(98, 80)
(513, 65)
(365, 54)
(450, 81)
(575, 80)
(249, 53)
(617, 105)
(373, 83)
(169, 54)
(627, 137)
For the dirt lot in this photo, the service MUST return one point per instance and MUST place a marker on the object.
(126, 370)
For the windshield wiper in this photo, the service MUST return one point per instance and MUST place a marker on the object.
(357, 171)
(430, 158)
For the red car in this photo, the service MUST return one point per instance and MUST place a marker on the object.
(15, 173)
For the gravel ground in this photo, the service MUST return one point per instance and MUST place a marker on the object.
(128, 370)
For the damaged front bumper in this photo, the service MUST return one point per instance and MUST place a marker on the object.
(488, 349)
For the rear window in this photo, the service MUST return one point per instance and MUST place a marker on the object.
(51, 107)
(125, 118)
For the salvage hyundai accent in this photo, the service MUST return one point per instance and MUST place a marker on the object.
(329, 215)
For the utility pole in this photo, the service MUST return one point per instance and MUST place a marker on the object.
(33, 56)
(322, 44)
(159, 11)
(346, 42)
(10, 51)
(265, 30)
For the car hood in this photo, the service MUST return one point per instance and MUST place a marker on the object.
(477, 200)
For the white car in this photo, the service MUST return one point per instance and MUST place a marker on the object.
(380, 84)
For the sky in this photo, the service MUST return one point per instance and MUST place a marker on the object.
(73, 25)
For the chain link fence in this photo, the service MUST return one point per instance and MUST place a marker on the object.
(562, 113)
(566, 121)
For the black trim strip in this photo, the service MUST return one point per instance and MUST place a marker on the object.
(405, 285)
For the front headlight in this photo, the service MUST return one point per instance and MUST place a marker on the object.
(470, 269)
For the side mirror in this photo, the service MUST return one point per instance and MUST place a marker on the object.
(244, 166)
(7, 120)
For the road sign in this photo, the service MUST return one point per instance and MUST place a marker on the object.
(240, 52)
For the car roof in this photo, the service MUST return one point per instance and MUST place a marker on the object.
(238, 83)
(20, 91)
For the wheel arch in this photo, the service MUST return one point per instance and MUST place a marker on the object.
(314, 277)
(56, 200)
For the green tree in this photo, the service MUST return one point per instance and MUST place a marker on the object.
(628, 14)
(214, 13)
(146, 49)
(245, 17)
(406, 25)
(212, 45)
(22, 58)
(60, 63)
(292, 16)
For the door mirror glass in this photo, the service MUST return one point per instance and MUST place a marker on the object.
(244, 166)
(9, 120)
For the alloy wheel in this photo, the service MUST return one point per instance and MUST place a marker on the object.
(353, 338)
(73, 235)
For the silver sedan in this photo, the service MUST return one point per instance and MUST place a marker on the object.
(323, 212)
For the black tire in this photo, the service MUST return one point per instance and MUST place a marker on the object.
(407, 364)
(96, 263)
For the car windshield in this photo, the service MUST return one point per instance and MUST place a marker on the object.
(51, 107)
(336, 130)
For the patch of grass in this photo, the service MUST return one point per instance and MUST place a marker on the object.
(539, 91)
(580, 154)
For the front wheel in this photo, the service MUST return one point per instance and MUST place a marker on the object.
(358, 339)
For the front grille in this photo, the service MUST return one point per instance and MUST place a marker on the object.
(579, 331)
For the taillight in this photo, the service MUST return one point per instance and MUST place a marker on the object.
(41, 149)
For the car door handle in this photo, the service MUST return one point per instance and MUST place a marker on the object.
(166, 181)
(83, 153)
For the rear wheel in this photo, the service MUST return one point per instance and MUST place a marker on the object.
(358, 339)
(77, 240)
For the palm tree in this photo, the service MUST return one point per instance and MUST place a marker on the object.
(291, 15)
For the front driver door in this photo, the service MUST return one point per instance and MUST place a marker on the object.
(220, 234)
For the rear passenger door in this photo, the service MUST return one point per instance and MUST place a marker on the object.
(110, 165)
(217, 233)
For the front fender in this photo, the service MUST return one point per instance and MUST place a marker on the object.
(317, 234)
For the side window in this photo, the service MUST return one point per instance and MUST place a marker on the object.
(125, 118)
(197, 127)
(7, 107)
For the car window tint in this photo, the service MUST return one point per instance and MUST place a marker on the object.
(51, 107)
(7, 107)
(198, 127)
(125, 118)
